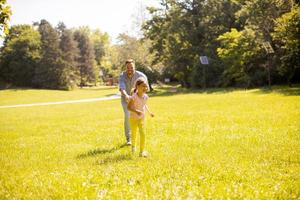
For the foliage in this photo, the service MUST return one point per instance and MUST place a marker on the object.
(5, 13)
(185, 30)
(175, 35)
(137, 49)
(70, 55)
(287, 36)
(51, 57)
(100, 42)
(86, 61)
(182, 31)
(239, 49)
(20, 55)
(49, 71)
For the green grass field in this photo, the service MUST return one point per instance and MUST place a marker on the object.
(220, 144)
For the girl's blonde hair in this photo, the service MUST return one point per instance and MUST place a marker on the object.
(138, 82)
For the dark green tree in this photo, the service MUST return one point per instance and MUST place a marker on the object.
(86, 60)
(70, 76)
(182, 31)
(287, 38)
(239, 50)
(49, 72)
(20, 55)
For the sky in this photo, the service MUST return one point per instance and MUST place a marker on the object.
(111, 16)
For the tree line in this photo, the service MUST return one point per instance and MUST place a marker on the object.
(42, 56)
(248, 43)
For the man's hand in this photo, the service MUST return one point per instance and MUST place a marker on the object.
(124, 94)
(127, 98)
(151, 114)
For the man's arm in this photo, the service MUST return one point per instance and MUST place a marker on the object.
(145, 77)
(122, 87)
(123, 92)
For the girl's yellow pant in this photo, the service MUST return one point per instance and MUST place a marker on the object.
(134, 125)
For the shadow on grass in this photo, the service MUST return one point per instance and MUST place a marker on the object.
(100, 88)
(290, 161)
(179, 91)
(283, 90)
(18, 88)
(14, 88)
(97, 151)
(112, 94)
(115, 159)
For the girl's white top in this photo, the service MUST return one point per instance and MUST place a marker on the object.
(139, 103)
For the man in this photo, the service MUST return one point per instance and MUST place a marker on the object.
(126, 84)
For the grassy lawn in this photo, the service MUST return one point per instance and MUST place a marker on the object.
(236, 144)
(28, 96)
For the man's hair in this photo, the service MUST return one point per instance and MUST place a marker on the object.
(129, 61)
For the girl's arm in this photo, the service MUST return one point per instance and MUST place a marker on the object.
(131, 108)
(147, 108)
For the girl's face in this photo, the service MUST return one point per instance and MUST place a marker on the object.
(142, 87)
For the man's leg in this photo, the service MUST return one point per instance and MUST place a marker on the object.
(126, 120)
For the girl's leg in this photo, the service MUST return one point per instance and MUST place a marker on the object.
(133, 126)
(141, 126)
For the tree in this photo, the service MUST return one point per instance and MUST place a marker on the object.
(137, 49)
(70, 54)
(49, 72)
(166, 30)
(260, 17)
(5, 13)
(20, 55)
(287, 38)
(182, 31)
(86, 60)
(239, 49)
(101, 44)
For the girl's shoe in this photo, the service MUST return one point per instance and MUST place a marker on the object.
(133, 149)
(143, 154)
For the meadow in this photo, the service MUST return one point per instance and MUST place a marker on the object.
(215, 144)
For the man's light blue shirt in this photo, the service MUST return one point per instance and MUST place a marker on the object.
(126, 83)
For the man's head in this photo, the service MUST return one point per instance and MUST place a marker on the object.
(130, 67)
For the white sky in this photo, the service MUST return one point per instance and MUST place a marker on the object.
(111, 16)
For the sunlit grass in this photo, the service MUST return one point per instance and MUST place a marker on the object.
(23, 96)
(242, 144)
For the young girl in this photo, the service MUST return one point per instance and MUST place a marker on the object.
(137, 106)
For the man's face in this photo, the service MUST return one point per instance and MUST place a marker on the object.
(130, 69)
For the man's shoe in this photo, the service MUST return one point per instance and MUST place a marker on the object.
(128, 143)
